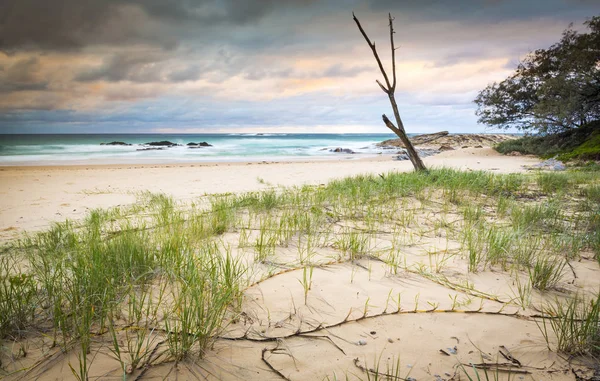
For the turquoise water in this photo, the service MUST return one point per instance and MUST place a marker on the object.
(63, 149)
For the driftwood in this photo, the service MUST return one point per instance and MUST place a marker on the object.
(389, 89)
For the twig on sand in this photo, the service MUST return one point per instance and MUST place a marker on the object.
(378, 373)
(264, 359)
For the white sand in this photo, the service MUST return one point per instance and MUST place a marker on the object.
(33, 197)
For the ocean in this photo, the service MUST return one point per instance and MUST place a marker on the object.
(69, 149)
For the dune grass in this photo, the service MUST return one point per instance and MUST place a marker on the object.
(161, 276)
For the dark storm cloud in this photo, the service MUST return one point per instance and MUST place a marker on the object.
(484, 11)
(249, 25)
(72, 24)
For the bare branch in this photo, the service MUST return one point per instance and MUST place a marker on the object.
(393, 88)
(389, 90)
(390, 125)
(382, 87)
(372, 46)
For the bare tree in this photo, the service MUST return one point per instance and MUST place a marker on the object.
(389, 89)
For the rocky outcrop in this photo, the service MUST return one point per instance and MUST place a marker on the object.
(163, 143)
(198, 145)
(446, 147)
(452, 140)
(550, 164)
(341, 150)
(115, 144)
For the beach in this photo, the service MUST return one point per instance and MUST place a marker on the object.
(33, 197)
(387, 287)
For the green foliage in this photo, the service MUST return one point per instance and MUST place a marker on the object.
(546, 272)
(588, 150)
(552, 182)
(563, 144)
(576, 324)
(552, 90)
(17, 293)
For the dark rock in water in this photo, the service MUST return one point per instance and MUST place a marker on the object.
(164, 143)
(151, 149)
(196, 145)
(115, 144)
(341, 150)
(446, 147)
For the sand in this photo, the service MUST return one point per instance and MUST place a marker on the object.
(31, 198)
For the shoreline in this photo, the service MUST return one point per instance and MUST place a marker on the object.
(207, 163)
(223, 149)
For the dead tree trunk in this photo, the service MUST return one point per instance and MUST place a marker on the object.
(389, 89)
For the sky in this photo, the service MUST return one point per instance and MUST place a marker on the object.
(221, 66)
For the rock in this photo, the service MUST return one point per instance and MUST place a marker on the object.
(115, 144)
(427, 152)
(444, 138)
(478, 146)
(463, 147)
(446, 147)
(424, 152)
(559, 167)
(551, 164)
(201, 144)
(163, 143)
(341, 150)
(361, 342)
(390, 340)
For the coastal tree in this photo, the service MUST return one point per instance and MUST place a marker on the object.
(389, 88)
(552, 90)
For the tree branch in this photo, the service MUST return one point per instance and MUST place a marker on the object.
(389, 90)
(372, 46)
(382, 87)
(393, 88)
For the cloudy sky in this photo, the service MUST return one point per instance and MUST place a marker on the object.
(96, 66)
